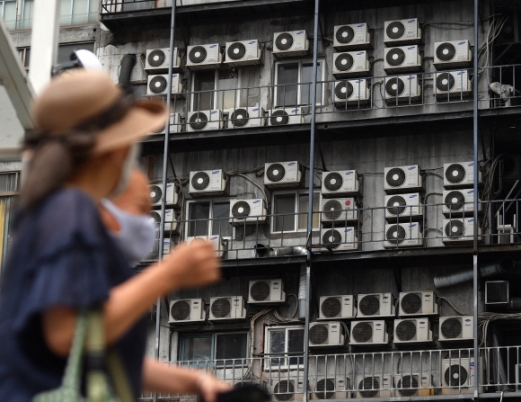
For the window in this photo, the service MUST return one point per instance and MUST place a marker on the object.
(290, 209)
(206, 218)
(9, 183)
(224, 349)
(293, 82)
(64, 52)
(8, 12)
(285, 341)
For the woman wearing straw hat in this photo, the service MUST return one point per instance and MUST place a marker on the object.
(62, 259)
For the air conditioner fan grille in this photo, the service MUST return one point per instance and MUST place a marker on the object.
(260, 291)
(200, 180)
(411, 303)
(319, 334)
(408, 385)
(455, 375)
(284, 41)
(362, 332)
(395, 30)
(369, 305)
(345, 34)
(368, 387)
(455, 229)
(451, 328)
(221, 308)
(406, 330)
(331, 307)
(275, 172)
(180, 310)
(344, 62)
(284, 390)
(325, 388)
(395, 57)
(197, 54)
(156, 58)
(236, 51)
(446, 51)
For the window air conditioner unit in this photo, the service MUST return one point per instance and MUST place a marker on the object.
(350, 64)
(246, 117)
(186, 310)
(285, 116)
(402, 59)
(207, 182)
(351, 92)
(157, 193)
(227, 308)
(408, 385)
(157, 84)
(170, 220)
(412, 330)
(459, 175)
(282, 174)
(452, 54)
(402, 89)
(369, 333)
(292, 43)
(452, 84)
(402, 179)
(338, 210)
(458, 375)
(373, 386)
(342, 182)
(205, 120)
(340, 239)
(243, 53)
(291, 389)
(403, 207)
(217, 241)
(402, 31)
(456, 328)
(201, 57)
(403, 235)
(341, 307)
(249, 212)
(326, 334)
(351, 37)
(338, 387)
(266, 291)
(417, 303)
(459, 230)
(375, 305)
(459, 202)
(157, 60)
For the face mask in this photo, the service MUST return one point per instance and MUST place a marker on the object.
(128, 165)
(137, 233)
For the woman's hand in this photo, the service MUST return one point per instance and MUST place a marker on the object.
(209, 386)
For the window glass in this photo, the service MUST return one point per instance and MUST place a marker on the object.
(204, 85)
(64, 51)
(197, 348)
(303, 207)
(27, 14)
(196, 212)
(250, 96)
(284, 204)
(227, 84)
(8, 12)
(307, 80)
(295, 345)
(231, 346)
(287, 74)
(221, 215)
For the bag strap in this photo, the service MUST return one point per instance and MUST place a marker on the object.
(71, 377)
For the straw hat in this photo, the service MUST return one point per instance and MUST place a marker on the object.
(73, 99)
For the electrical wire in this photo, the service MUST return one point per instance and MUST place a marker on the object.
(458, 311)
(293, 315)
(256, 185)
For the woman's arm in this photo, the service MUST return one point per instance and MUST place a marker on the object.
(189, 265)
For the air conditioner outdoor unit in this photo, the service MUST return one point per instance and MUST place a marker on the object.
(201, 57)
(412, 330)
(459, 374)
(459, 202)
(403, 207)
(402, 179)
(341, 182)
(402, 59)
(291, 389)
(170, 220)
(340, 239)
(456, 328)
(459, 175)
(157, 84)
(227, 308)
(186, 310)
(157, 193)
(408, 385)
(338, 387)
(375, 305)
(459, 230)
(350, 64)
(326, 334)
(156, 60)
(246, 117)
(369, 333)
(452, 84)
(402, 31)
(285, 116)
(351, 37)
(249, 212)
(402, 89)
(206, 182)
(376, 386)
(217, 241)
(292, 43)
(243, 53)
(338, 210)
(351, 92)
(342, 306)
(452, 54)
(266, 291)
(204, 120)
(282, 174)
(403, 235)
(417, 303)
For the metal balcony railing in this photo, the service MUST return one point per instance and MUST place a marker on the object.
(116, 6)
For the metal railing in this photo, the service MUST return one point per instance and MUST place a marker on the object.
(115, 6)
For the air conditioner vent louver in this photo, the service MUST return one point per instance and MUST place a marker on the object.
(411, 303)
(180, 310)
(406, 330)
(325, 388)
(362, 332)
(331, 307)
(319, 334)
(260, 291)
(451, 328)
(371, 384)
(408, 385)
(221, 307)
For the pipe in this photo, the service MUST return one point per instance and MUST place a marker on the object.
(262, 251)
(127, 64)
(503, 266)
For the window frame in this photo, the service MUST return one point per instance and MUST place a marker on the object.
(210, 219)
(301, 62)
(268, 366)
(297, 193)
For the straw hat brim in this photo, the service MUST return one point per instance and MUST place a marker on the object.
(143, 118)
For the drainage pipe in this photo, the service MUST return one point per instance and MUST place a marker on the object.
(127, 64)
(503, 266)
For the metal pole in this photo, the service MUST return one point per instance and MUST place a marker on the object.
(164, 173)
(476, 223)
(310, 205)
